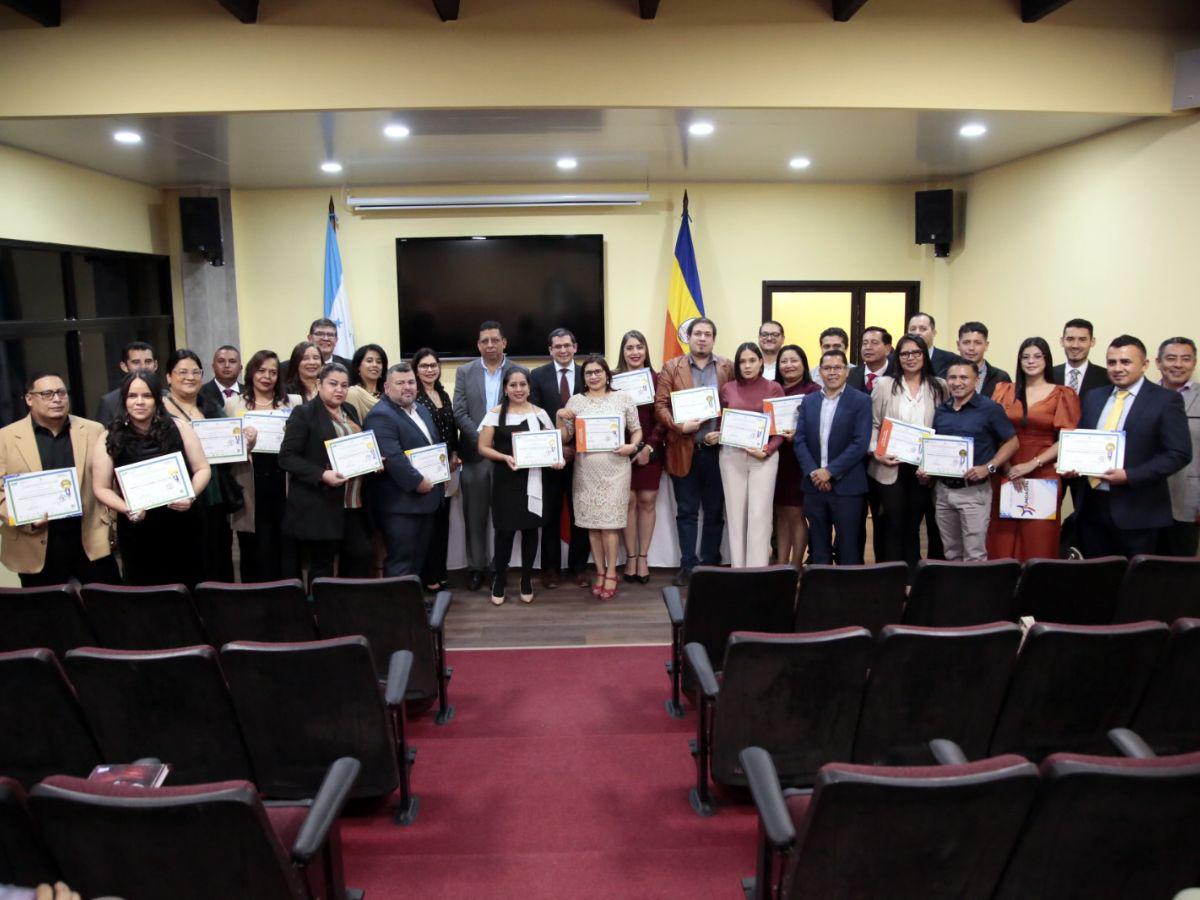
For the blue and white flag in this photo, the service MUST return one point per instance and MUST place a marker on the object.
(336, 307)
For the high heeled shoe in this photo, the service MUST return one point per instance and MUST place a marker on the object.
(643, 579)
(608, 593)
(598, 585)
(526, 589)
(497, 595)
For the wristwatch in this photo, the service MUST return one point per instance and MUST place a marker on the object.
(991, 469)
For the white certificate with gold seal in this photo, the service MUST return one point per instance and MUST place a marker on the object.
(354, 454)
(695, 404)
(155, 482)
(1089, 451)
(33, 496)
(223, 440)
(537, 449)
(432, 462)
(637, 384)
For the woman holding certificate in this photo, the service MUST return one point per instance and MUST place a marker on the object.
(158, 527)
(647, 462)
(303, 370)
(902, 409)
(1038, 410)
(791, 531)
(749, 460)
(262, 404)
(598, 420)
(516, 484)
(433, 397)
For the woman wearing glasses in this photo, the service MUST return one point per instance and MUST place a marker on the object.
(434, 398)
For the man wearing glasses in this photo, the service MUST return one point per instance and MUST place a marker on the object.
(770, 339)
(323, 333)
(50, 438)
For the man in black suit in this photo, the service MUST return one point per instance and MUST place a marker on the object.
(323, 333)
(875, 354)
(402, 500)
(550, 387)
(922, 324)
(1077, 373)
(1122, 511)
(227, 366)
(973, 346)
(135, 355)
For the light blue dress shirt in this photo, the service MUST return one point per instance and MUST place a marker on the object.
(492, 382)
(829, 407)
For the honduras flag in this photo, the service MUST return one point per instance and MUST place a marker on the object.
(336, 307)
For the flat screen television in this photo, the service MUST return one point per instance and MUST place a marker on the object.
(530, 284)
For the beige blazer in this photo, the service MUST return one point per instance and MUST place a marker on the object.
(886, 404)
(1185, 484)
(243, 473)
(23, 548)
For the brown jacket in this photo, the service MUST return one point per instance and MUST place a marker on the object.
(23, 548)
(676, 375)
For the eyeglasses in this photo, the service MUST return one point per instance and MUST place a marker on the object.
(910, 354)
(832, 369)
(770, 334)
(431, 365)
(324, 334)
(188, 373)
(60, 394)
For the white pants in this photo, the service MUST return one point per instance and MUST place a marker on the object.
(749, 486)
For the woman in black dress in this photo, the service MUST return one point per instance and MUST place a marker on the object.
(434, 398)
(516, 493)
(162, 545)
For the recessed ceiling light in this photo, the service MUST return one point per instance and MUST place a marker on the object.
(396, 130)
(800, 162)
(701, 129)
(478, 237)
(973, 130)
(567, 162)
(127, 137)
(331, 167)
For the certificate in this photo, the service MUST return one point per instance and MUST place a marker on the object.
(222, 439)
(637, 384)
(947, 456)
(155, 482)
(535, 449)
(748, 430)
(269, 423)
(354, 454)
(901, 440)
(784, 411)
(1037, 499)
(432, 462)
(695, 404)
(34, 495)
(1090, 452)
(598, 433)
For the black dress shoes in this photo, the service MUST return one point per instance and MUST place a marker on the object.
(476, 580)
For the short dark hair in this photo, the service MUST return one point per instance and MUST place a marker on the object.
(1080, 323)
(39, 375)
(561, 332)
(884, 334)
(700, 320)
(179, 356)
(597, 359)
(400, 367)
(834, 331)
(136, 345)
(799, 351)
(959, 361)
(359, 355)
(968, 327)
(279, 395)
(332, 368)
(318, 323)
(1128, 340)
(227, 347)
(489, 325)
(918, 314)
(1161, 347)
(772, 322)
(837, 353)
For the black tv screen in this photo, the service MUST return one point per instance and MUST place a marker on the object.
(530, 284)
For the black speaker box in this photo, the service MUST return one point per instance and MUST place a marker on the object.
(200, 218)
(935, 217)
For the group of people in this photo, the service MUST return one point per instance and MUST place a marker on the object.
(806, 489)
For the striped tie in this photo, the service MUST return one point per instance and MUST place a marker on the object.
(1074, 383)
(1110, 423)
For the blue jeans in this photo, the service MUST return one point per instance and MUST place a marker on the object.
(700, 489)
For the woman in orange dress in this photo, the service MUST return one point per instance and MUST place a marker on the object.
(1051, 408)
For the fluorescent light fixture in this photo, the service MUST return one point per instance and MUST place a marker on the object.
(701, 129)
(127, 137)
(567, 162)
(478, 237)
(973, 130)
(800, 162)
(331, 167)
(493, 201)
(396, 131)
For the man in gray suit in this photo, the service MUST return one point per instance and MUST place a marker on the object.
(1177, 363)
(477, 388)
(136, 355)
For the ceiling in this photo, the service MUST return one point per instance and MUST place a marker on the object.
(520, 146)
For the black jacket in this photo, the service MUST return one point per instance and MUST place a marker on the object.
(314, 511)
(543, 387)
(942, 360)
(992, 378)
(857, 378)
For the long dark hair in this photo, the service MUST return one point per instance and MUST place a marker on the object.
(416, 361)
(737, 359)
(294, 384)
(502, 425)
(359, 355)
(163, 431)
(928, 376)
(602, 363)
(179, 356)
(252, 367)
(807, 379)
(1020, 380)
(622, 366)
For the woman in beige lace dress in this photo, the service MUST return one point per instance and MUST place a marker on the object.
(601, 483)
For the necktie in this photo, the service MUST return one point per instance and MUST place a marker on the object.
(1073, 383)
(228, 391)
(1110, 423)
(564, 390)
(870, 381)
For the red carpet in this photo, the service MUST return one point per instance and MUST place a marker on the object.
(561, 776)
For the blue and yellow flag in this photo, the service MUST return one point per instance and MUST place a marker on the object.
(684, 301)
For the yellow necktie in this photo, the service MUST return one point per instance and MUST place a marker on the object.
(1110, 424)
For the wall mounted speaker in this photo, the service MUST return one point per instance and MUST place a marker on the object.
(200, 223)
(935, 217)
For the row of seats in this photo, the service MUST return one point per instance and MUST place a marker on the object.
(811, 699)
(389, 612)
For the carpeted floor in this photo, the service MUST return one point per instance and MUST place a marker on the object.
(561, 776)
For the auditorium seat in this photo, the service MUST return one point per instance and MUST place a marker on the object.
(719, 602)
(168, 704)
(931, 683)
(795, 695)
(1070, 591)
(948, 594)
(42, 729)
(868, 596)
(1109, 829)
(49, 617)
(921, 832)
(1165, 588)
(142, 618)
(262, 611)
(1072, 683)
(197, 842)
(303, 705)
(390, 613)
(1168, 718)
(24, 859)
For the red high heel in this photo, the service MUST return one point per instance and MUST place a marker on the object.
(609, 593)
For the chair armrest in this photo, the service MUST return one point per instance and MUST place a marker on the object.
(399, 668)
(947, 753)
(1130, 744)
(670, 595)
(441, 604)
(697, 658)
(326, 807)
(768, 797)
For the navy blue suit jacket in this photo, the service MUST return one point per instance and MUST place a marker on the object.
(849, 439)
(1157, 445)
(394, 490)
